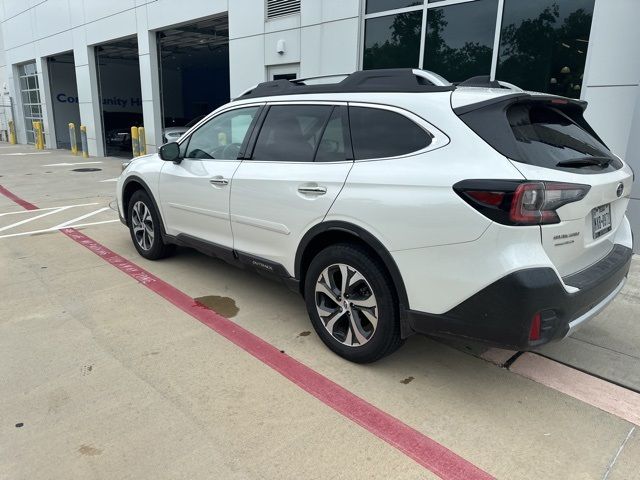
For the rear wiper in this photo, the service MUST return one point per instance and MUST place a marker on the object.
(585, 162)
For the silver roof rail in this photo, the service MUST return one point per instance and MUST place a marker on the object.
(432, 77)
(321, 77)
(510, 86)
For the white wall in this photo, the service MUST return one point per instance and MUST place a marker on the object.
(323, 39)
(612, 85)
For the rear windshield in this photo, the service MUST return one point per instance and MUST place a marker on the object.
(546, 136)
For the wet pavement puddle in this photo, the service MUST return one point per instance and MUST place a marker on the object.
(224, 306)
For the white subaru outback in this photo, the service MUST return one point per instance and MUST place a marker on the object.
(396, 203)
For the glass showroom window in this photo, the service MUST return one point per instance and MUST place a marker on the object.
(459, 40)
(374, 6)
(392, 41)
(543, 44)
(31, 105)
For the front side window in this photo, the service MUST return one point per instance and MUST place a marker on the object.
(377, 133)
(222, 136)
(291, 133)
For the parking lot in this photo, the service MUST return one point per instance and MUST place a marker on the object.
(112, 366)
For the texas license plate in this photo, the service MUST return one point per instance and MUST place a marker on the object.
(601, 220)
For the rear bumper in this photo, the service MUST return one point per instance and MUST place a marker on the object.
(501, 314)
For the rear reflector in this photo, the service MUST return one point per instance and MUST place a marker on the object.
(488, 198)
(534, 333)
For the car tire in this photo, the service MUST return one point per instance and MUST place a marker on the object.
(145, 228)
(357, 319)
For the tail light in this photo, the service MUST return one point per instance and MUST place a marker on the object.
(520, 203)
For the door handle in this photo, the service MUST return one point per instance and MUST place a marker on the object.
(312, 190)
(219, 181)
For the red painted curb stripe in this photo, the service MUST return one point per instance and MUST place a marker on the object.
(425, 451)
(14, 198)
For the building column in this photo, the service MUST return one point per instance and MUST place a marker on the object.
(48, 125)
(88, 92)
(149, 82)
(13, 82)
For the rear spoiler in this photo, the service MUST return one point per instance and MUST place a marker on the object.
(512, 98)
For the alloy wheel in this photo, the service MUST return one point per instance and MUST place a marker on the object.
(142, 224)
(346, 304)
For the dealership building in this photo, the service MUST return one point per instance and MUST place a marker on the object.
(110, 65)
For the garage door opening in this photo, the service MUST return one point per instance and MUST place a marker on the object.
(120, 97)
(64, 97)
(194, 72)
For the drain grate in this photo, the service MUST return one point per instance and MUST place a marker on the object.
(86, 170)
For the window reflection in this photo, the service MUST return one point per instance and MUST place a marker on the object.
(543, 44)
(460, 39)
(392, 41)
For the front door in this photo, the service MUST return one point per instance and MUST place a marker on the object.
(194, 193)
(300, 162)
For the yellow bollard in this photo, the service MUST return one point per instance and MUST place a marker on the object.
(135, 143)
(83, 139)
(39, 137)
(41, 134)
(34, 123)
(12, 133)
(142, 141)
(72, 137)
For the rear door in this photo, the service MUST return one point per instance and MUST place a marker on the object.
(300, 161)
(556, 144)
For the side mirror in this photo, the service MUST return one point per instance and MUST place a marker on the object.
(170, 152)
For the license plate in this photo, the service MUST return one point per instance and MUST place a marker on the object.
(601, 220)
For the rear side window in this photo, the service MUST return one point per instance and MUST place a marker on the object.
(377, 133)
(546, 136)
(291, 133)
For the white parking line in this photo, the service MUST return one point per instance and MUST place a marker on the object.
(48, 208)
(109, 180)
(23, 153)
(53, 229)
(65, 164)
(30, 219)
(81, 217)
